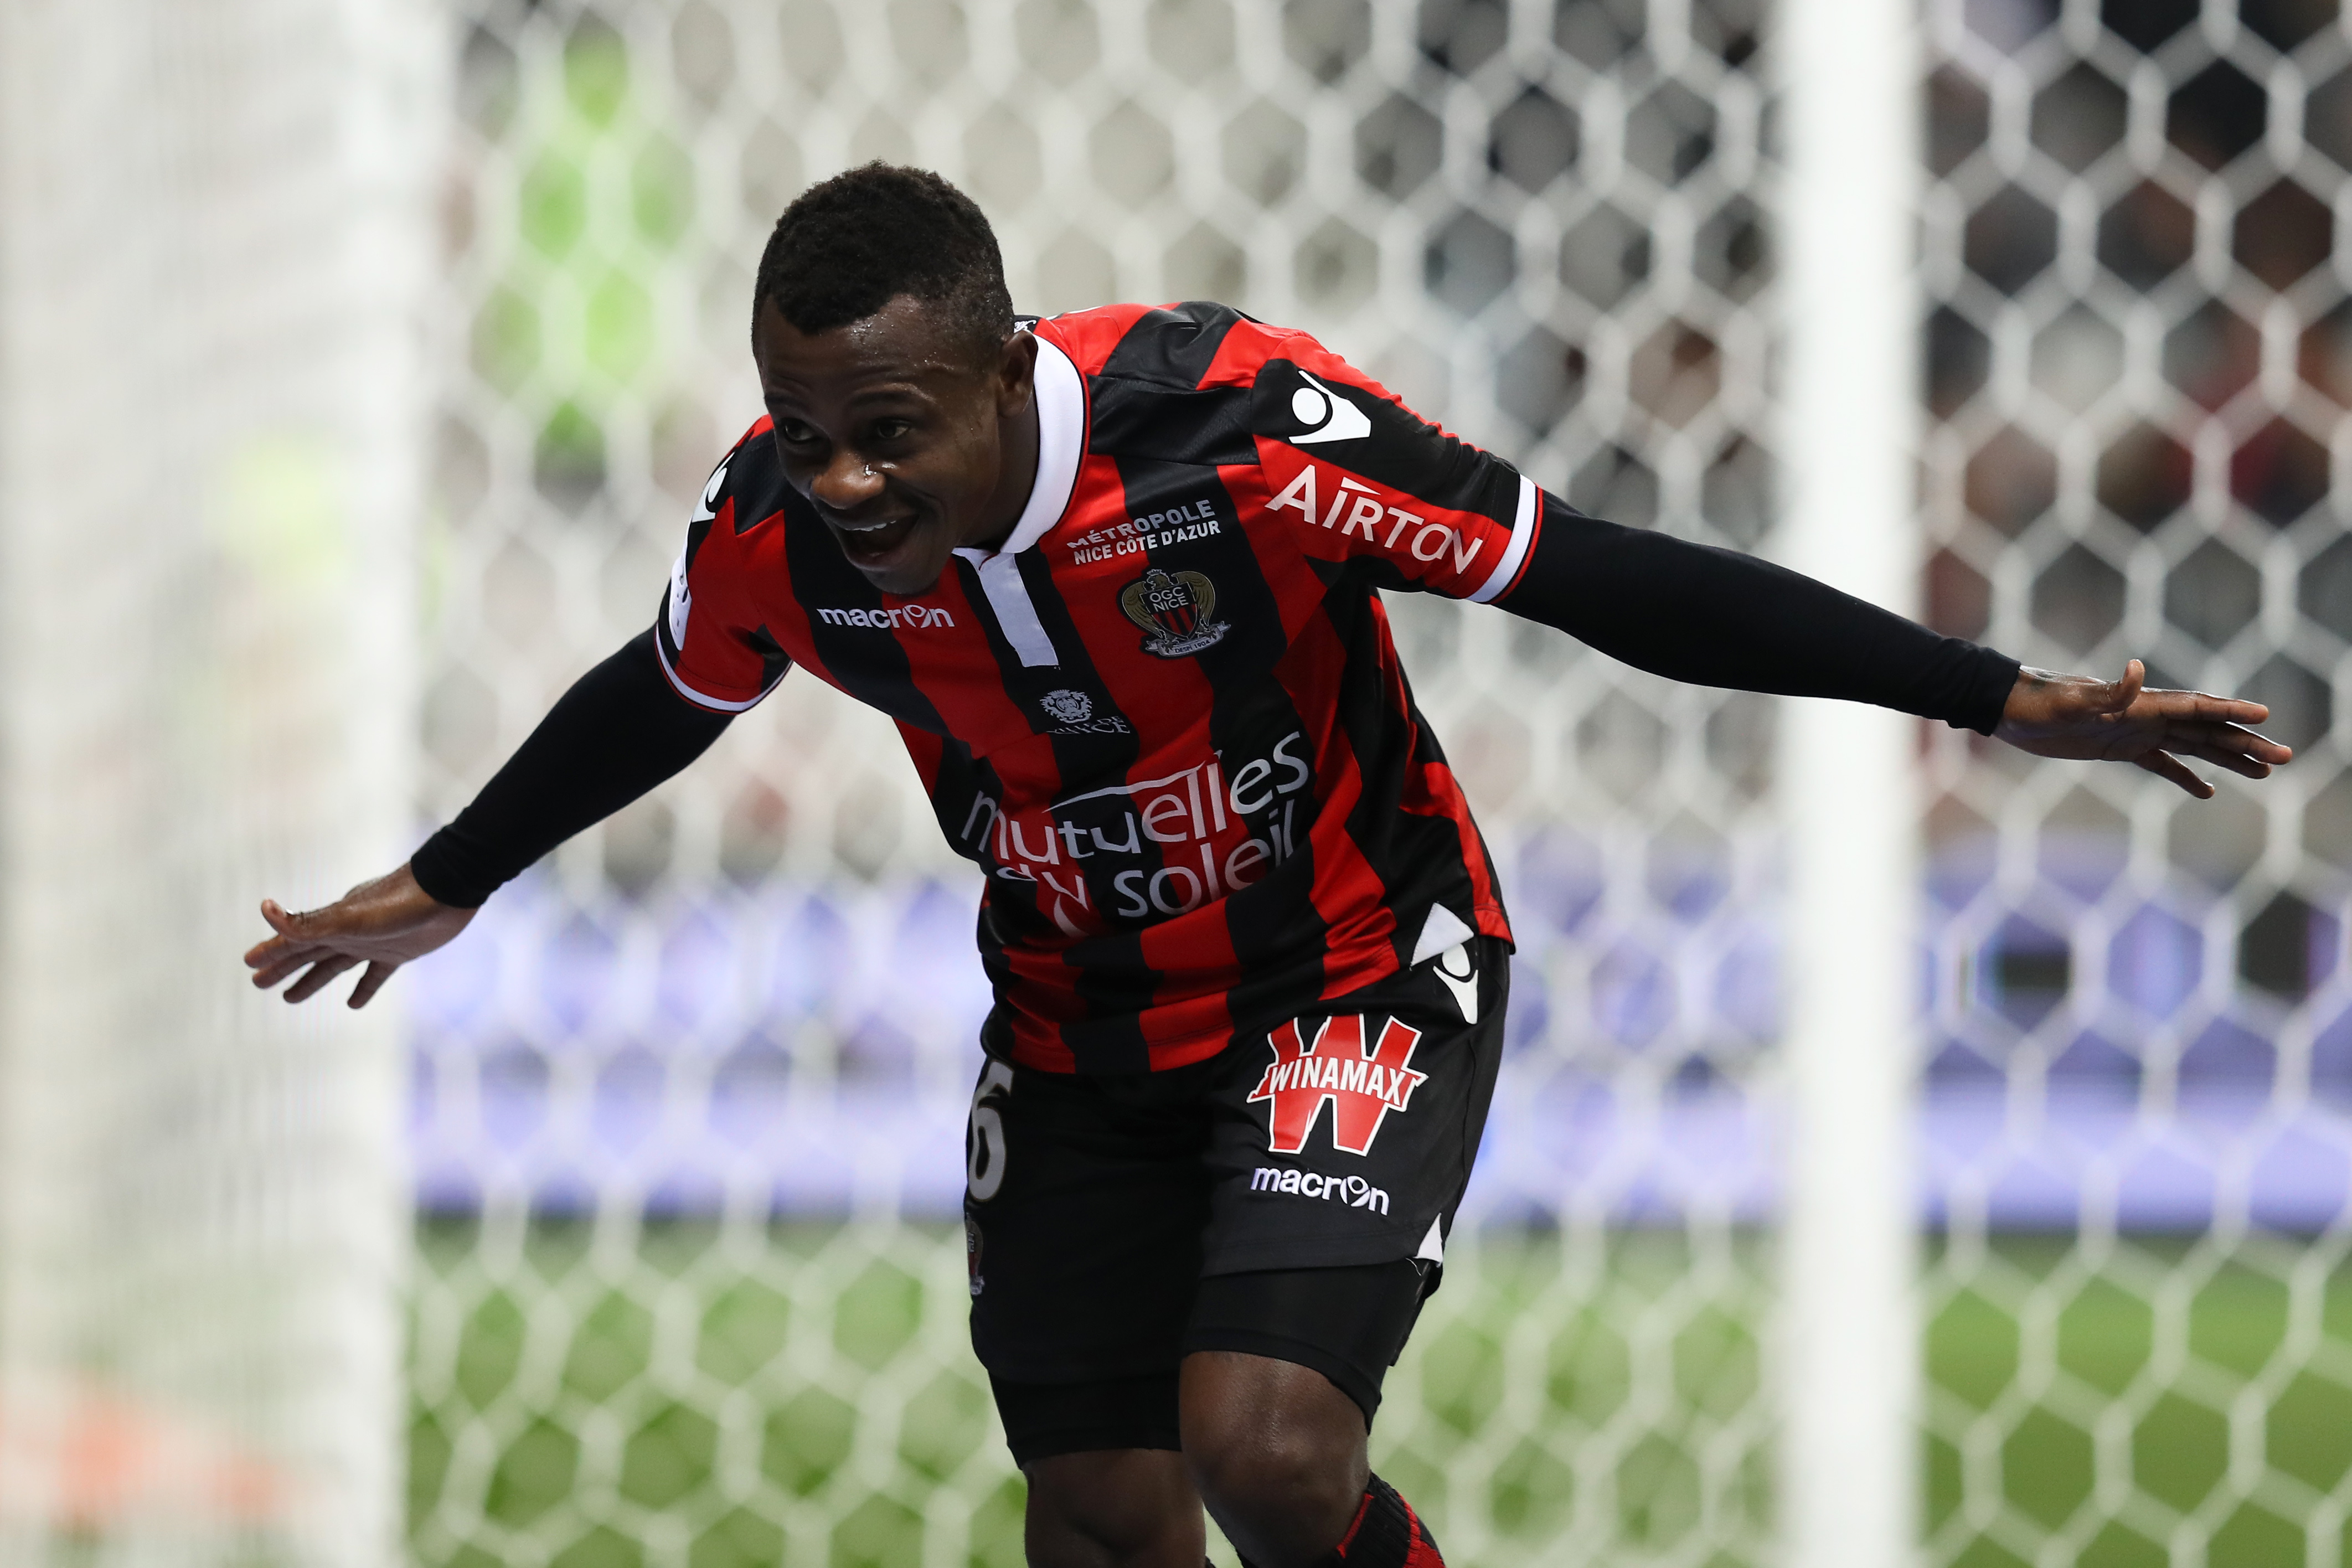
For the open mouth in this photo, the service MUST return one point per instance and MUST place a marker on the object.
(874, 542)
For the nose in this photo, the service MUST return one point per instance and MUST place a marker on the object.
(847, 482)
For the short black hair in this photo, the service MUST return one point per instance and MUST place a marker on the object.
(848, 246)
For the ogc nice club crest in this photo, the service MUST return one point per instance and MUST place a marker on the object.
(1177, 610)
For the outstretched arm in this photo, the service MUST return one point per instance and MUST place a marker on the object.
(620, 731)
(1715, 617)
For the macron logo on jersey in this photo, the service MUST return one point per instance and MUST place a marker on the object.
(911, 617)
(1327, 416)
(1362, 1089)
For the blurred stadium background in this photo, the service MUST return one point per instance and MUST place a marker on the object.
(361, 358)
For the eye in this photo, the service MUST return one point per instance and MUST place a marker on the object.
(793, 433)
(893, 429)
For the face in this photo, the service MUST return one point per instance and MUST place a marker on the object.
(907, 449)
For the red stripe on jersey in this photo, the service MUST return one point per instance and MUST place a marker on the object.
(1445, 793)
(1336, 515)
(1298, 591)
(955, 669)
(1250, 344)
(1359, 929)
(925, 750)
(1088, 336)
(787, 617)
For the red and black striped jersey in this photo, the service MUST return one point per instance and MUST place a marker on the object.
(1166, 718)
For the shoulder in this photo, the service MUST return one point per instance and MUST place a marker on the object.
(1192, 345)
(748, 486)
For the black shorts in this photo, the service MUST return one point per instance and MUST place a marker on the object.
(1309, 1173)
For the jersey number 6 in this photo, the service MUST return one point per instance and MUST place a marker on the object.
(983, 1143)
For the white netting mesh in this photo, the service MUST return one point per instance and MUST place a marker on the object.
(1539, 225)
(2142, 1046)
(215, 251)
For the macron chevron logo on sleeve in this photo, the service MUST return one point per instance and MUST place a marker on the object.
(1327, 415)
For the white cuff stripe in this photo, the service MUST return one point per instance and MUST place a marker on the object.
(1523, 529)
(697, 698)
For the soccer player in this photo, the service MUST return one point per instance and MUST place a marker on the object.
(1117, 575)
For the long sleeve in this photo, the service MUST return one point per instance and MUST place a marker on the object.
(619, 731)
(1715, 617)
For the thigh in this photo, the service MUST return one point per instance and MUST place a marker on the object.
(1346, 1136)
(1348, 1323)
(1082, 1214)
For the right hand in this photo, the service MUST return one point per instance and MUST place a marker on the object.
(383, 924)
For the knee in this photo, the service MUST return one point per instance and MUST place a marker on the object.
(1285, 1490)
(1284, 1476)
(1115, 1509)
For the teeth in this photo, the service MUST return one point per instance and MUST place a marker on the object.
(869, 527)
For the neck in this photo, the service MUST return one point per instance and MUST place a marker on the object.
(1018, 441)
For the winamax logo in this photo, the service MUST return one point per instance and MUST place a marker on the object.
(1361, 1088)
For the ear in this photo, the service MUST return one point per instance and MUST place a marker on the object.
(1016, 374)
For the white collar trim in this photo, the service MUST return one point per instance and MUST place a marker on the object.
(1061, 396)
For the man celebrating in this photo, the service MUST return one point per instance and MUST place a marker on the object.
(1115, 574)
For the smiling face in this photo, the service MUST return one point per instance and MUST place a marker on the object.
(906, 446)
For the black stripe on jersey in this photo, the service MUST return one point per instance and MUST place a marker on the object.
(1272, 923)
(1083, 753)
(868, 662)
(1418, 858)
(773, 659)
(1397, 449)
(752, 470)
(1135, 419)
(697, 532)
(1109, 973)
(1174, 347)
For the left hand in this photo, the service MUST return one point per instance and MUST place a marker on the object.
(2078, 716)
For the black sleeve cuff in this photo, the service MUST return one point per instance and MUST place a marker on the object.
(1983, 682)
(452, 871)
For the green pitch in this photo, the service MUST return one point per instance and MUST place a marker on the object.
(709, 1397)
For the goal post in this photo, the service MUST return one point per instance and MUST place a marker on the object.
(1850, 795)
(216, 250)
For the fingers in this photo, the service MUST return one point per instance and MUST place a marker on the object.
(2221, 756)
(2232, 737)
(323, 970)
(378, 972)
(2165, 766)
(2205, 706)
(271, 973)
(281, 948)
(2121, 694)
